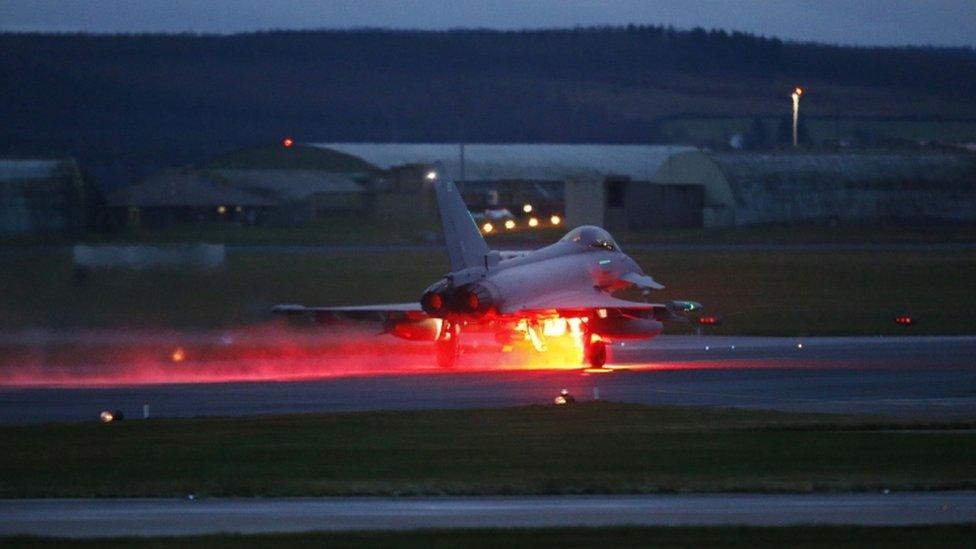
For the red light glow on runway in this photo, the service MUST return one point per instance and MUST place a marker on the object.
(273, 352)
(280, 352)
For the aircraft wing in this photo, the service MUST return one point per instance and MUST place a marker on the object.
(577, 302)
(358, 312)
(574, 301)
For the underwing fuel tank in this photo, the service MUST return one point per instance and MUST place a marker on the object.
(616, 327)
(425, 329)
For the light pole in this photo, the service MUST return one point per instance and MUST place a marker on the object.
(797, 92)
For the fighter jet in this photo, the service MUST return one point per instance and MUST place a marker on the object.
(515, 294)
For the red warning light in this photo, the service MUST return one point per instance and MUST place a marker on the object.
(904, 320)
(708, 320)
(287, 142)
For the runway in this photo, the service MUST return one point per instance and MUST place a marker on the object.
(157, 517)
(918, 378)
(924, 378)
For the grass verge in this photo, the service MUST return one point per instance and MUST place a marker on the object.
(672, 536)
(350, 229)
(595, 447)
(774, 293)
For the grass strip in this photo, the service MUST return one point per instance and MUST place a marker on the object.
(593, 447)
(775, 293)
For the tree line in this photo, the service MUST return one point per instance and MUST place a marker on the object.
(129, 104)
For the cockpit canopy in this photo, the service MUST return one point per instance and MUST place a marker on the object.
(591, 237)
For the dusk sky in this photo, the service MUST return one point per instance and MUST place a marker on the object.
(863, 22)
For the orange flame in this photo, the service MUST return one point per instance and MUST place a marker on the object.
(178, 355)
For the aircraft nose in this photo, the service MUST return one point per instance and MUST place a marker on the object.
(636, 276)
(632, 266)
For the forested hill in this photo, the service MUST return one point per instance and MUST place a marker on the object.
(126, 104)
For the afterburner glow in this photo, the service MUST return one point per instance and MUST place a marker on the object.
(274, 352)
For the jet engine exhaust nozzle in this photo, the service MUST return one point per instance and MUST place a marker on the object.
(433, 303)
(475, 299)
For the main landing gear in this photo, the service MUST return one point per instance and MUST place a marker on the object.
(448, 346)
(594, 351)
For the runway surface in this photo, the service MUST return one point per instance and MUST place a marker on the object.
(932, 378)
(154, 517)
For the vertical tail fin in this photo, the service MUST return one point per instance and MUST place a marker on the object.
(465, 245)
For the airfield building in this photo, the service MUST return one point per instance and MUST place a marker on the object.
(783, 188)
(299, 195)
(630, 187)
(609, 185)
(647, 187)
(266, 186)
(185, 195)
(41, 197)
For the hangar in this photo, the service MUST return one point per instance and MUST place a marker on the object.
(767, 188)
(653, 186)
(266, 185)
(299, 195)
(42, 196)
(608, 185)
(184, 194)
(631, 187)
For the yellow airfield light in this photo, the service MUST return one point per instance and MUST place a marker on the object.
(527, 208)
(510, 224)
(533, 222)
(487, 227)
(555, 219)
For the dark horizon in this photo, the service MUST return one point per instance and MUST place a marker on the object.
(867, 23)
(127, 105)
(353, 30)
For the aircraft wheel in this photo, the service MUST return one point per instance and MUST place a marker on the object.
(448, 347)
(597, 354)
